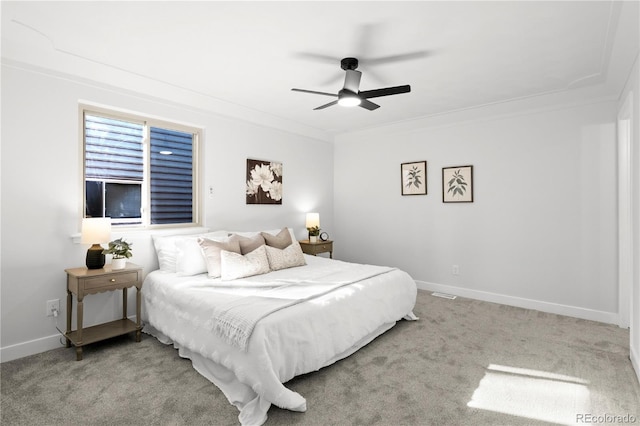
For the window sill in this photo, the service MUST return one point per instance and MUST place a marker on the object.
(133, 232)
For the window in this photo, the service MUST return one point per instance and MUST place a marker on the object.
(139, 171)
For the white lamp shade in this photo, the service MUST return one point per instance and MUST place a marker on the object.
(96, 230)
(313, 219)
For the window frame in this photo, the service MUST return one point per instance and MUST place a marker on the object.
(147, 121)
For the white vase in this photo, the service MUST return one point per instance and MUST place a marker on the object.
(313, 239)
(118, 263)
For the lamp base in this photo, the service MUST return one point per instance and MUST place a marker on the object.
(95, 258)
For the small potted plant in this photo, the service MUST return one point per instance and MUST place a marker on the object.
(121, 251)
(314, 231)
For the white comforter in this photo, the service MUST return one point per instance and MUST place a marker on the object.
(301, 338)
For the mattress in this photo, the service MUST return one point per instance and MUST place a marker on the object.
(297, 338)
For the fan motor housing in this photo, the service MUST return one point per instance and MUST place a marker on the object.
(349, 64)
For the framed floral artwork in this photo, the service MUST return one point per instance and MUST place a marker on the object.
(264, 182)
(414, 178)
(457, 184)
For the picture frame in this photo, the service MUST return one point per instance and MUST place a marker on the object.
(457, 184)
(263, 182)
(414, 178)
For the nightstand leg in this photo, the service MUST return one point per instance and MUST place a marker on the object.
(79, 316)
(124, 303)
(138, 306)
(69, 309)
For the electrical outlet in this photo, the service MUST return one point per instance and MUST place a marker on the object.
(455, 270)
(53, 306)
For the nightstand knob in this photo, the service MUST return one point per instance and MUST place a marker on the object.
(113, 280)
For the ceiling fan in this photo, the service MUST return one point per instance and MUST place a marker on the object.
(350, 94)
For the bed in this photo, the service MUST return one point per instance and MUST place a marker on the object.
(250, 334)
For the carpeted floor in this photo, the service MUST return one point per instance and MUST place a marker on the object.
(465, 362)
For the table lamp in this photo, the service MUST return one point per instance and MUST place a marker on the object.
(313, 226)
(95, 231)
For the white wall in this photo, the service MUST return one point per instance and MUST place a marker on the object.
(632, 92)
(41, 194)
(542, 230)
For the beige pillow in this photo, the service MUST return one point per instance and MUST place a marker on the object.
(235, 265)
(211, 250)
(281, 240)
(249, 244)
(287, 258)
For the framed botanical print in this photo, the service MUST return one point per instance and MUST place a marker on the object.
(457, 184)
(414, 178)
(263, 182)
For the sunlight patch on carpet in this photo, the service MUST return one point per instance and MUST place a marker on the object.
(532, 394)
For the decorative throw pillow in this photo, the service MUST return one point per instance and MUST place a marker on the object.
(212, 252)
(281, 240)
(287, 258)
(235, 265)
(249, 244)
(167, 250)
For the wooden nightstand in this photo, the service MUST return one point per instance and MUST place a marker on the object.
(83, 281)
(316, 248)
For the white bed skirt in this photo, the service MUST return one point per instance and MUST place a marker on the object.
(297, 340)
(253, 407)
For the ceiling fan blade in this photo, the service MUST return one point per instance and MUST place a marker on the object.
(395, 58)
(352, 80)
(317, 57)
(315, 92)
(326, 105)
(368, 105)
(376, 93)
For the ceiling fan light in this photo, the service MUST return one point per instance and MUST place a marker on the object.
(349, 101)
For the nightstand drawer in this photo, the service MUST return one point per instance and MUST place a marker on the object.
(110, 280)
(318, 247)
(323, 248)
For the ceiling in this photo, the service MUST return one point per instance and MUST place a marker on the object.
(242, 58)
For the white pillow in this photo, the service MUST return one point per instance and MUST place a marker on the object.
(189, 257)
(285, 258)
(234, 265)
(167, 251)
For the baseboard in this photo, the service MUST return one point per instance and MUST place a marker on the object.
(635, 362)
(32, 347)
(552, 308)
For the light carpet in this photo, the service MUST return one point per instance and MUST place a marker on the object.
(465, 362)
